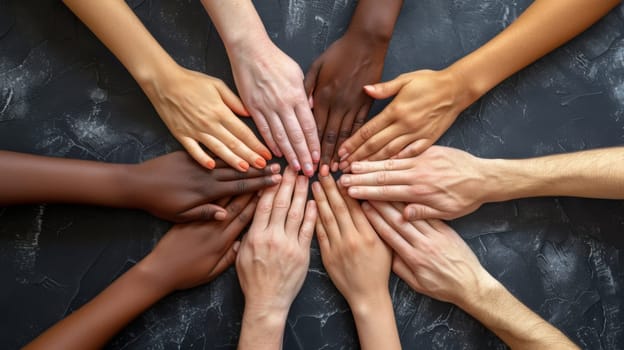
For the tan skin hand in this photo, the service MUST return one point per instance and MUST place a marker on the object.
(442, 183)
(176, 188)
(336, 83)
(429, 255)
(426, 104)
(199, 110)
(357, 260)
(274, 255)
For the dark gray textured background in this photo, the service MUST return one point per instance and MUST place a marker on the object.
(63, 94)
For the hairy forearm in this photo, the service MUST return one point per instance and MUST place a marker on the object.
(116, 25)
(544, 26)
(376, 21)
(91, 326)
(26, 179)
(375, 323)
(592, 174)
(262, 330)
(512, 321)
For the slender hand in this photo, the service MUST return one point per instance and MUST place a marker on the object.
(187, 256)
(434, 260)
(270, 84)
(358, 263)
(172, 187)
(197, 109)
(428, 102)
(273, 260)
(336, 79)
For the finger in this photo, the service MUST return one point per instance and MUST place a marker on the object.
(226, 261)
(378, 178)
(307, 227)
(330, 136)
(356, 212)
(200, 156)
(344, 133)
(308, 125)
(230, 99)
(362, 135)
(401, 269)
(321, 113)
(216, 145)
(420, 211)
(337, 203)
(283, 198)
(399, 193)
(387, 89)
(325, 213)
(392, 148)
(262, 124)
(297, 207)
(311, 77)
(282, 138)
(237, 206)
(413, 232)
(294, 125)
(377, 142)
(360, 117)
(243, 217)
(262, 216)
(251, 185)
(249, 140)
(415, 148)
(386, 232)
(322, 237)
(202, 212)
(229, 174)
(380, 165)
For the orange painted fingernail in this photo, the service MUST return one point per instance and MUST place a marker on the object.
(210, 164)
(243, 164)
(260, 162)
(266, 154)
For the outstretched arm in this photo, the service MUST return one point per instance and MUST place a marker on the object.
(196, 108)
(155, 185)
(336, 79)
(428, 102)
(270, 83)
(433, 259)
(187, 256)
(446, 183)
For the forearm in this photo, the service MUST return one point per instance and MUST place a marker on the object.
(512, 321)
(26, 179)
(544, 26)
(375, 323)
(592, 174)
(116, 25)
(374, 20)
(91, 326)
(262, 330)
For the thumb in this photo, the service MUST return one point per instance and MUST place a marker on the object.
(418, 212)
(226, 260)
(231, 100)
(203, 212)
(384, 90)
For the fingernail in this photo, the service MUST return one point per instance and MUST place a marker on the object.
(277, 152)
(345, 180)
(324, 170)
(353, 191)
(266, 155)
(244, 165)
(260, 162)
(369, 87)
(307, 167)
(276, 179)
(295, 165)
(275, 168)
(316, 156)
(342, 153)
(236, 246)
(220, 215)
(316, 186)
(210, 164)
(356, 167)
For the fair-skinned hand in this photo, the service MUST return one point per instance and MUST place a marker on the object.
(199, 109)
(271, 86)
(356, 259)
(429, 256)
(426, 104)
(274, 255)
(175, 188)
(193, 254)
(442, 183)
(336, 80)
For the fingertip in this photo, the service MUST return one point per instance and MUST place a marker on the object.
(316, 156)
(324, 170)
(334, 167)
(266, 154)
(343, 165)
(275, 168)
(276, 179)
(243, 165)
(316, 186)
(236, 246)
(210, 164)
(343, 153)
(220, 215)
(260, 163)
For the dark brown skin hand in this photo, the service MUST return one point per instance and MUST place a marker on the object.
(174, 187)
(335, 81)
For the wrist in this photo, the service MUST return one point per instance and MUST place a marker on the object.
(154, 277)
(372, 304)
(467, 90)
(131, 184)
(479, 298)
(155, 72)
(515, 178)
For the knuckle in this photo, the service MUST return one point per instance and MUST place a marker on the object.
(234, 208)
(279, 203)
(295, 215)
(330, 137)
(366, 131)
(243, 218)
(345, 134)
(241, 187)
(264, 208)
(388, 164)
(280, 137)
(380, 178)
(297, 137)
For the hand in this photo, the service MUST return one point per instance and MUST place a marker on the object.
(274, 255)
(442, 183)
(197, 109)
(175, 188)
(336, 80)
(426, 104)
(193, 254)
(429, 256)
(271, 86)
(356, 259)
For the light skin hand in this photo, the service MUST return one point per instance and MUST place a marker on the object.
(441, 183)
(187, 256)
(434, 260)
(175, 188)
(270, 84)
(357, 261)
(273, 260)
(426, 104)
